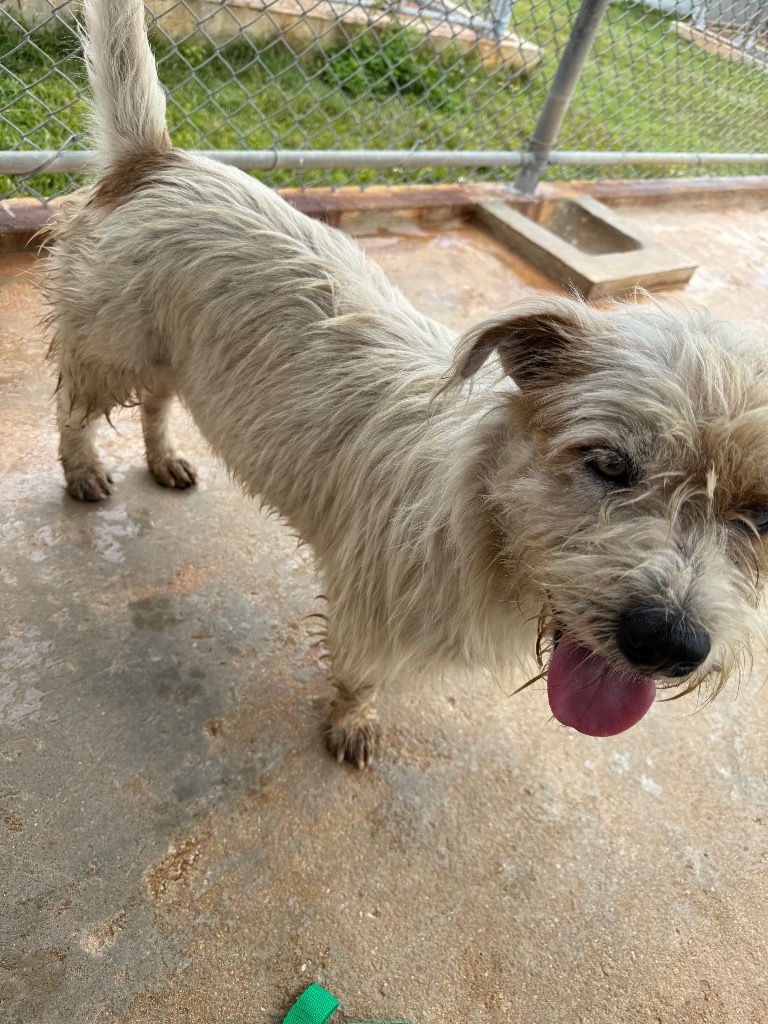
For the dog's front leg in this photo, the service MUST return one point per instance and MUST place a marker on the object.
(353, 729)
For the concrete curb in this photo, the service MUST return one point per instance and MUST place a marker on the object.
(23, 221)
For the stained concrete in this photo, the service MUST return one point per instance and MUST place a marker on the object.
(177, 846)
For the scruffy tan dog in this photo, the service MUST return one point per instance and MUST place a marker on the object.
(602, 503)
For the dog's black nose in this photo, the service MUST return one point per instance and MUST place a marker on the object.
(659, 641)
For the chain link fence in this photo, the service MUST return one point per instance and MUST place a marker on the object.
(325, 92)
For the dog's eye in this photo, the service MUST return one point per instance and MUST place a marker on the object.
(610, 466)
(754, 519)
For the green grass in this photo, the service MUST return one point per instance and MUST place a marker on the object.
(642, 89)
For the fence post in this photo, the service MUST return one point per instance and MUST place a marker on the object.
(560, 93)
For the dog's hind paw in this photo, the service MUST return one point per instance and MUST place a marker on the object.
(174, 472)
(93, 483)
(357, 744)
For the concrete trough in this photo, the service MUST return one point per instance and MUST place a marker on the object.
(581, 243)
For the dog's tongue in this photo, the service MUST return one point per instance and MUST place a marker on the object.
(591, 697)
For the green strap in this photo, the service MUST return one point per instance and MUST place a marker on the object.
(314, 1006)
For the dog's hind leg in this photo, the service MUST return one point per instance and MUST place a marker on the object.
(87, 479)
(166, 466)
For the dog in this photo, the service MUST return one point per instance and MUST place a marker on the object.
(589, 485)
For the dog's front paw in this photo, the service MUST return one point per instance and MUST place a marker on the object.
(356, 743)
(92, 483)
(174, 472)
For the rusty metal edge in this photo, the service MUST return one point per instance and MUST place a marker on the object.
(23, 221)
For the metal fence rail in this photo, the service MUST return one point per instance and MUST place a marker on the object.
(327, 92)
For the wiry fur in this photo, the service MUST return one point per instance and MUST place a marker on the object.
(448, 530)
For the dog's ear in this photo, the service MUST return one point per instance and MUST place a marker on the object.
(537, 348)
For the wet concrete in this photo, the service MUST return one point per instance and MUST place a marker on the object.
(177, 846)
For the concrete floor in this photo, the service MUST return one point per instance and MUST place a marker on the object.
(176, 844)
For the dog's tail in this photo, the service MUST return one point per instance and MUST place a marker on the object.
(129, 109)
